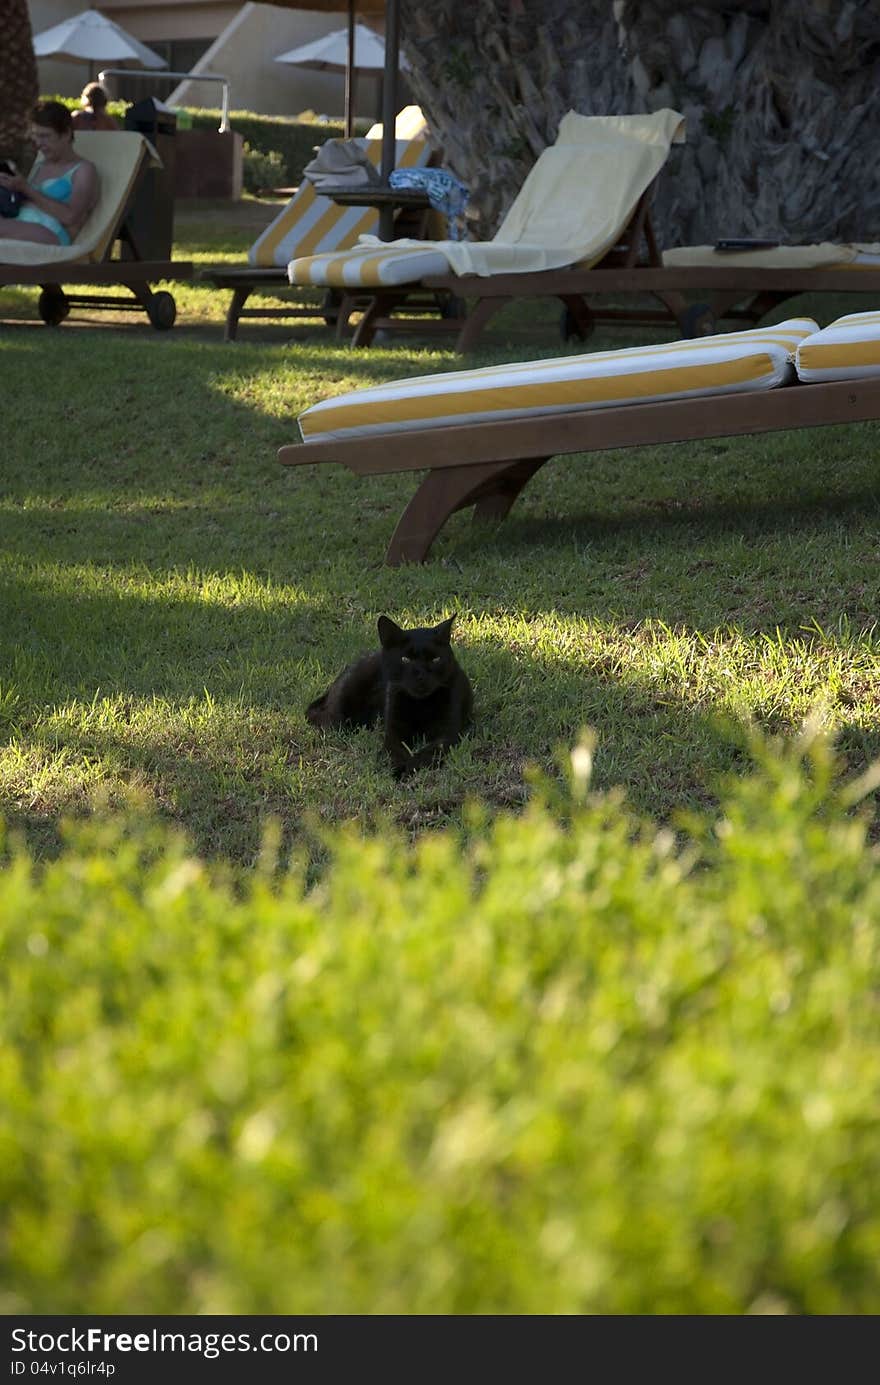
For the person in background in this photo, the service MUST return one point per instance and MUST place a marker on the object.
(60, 190)
(93, 115)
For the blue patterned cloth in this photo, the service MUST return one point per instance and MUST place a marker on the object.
(445, 193)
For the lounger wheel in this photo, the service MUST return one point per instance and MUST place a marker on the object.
(53, 306)
(162, 311)
(580, 327)
(697, 320)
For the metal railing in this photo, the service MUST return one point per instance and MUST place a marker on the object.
(224, 126)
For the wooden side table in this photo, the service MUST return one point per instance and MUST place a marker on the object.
(411, 204)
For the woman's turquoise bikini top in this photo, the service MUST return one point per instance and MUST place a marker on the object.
(61, 189)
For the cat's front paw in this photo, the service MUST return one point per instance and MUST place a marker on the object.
(428, 755)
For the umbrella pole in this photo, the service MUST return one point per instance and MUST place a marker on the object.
(349, 74)
(389, 109)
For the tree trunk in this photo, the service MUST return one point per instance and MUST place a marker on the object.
(18, 88)
(781, 100)
(495, 77)
(780, 96)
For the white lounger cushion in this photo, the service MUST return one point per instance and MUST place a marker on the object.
(730, 363)
(848, 349)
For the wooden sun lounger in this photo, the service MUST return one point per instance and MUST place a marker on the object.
(55, 301)
(731, 293)
(735, 294)
(692, 300)
(304, 303)
(635, 251)
(300, 303)
(129, 271)
(244, 280)
(487, 464)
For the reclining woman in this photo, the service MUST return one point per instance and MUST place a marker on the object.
(60, 190)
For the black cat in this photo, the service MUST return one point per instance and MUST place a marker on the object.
(414, 684)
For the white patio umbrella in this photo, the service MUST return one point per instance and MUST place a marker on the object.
(330, 53)
(391, 9)
(91, 38)
(354, 50)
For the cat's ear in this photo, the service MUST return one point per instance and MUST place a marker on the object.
(444, 630)
(389, 633)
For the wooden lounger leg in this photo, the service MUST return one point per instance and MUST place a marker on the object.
(239, 297)
(742, 306)
(344, 311)
(495, 499)
(380, 306)
(579, 320)
(491, 487)
(476, 320)
(692, 319)
(754, 306)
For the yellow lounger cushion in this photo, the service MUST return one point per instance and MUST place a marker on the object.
(730, 363)
(848, 349)
(369, 266)
(311, 223)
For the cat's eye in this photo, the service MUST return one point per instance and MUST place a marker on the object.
(436, 659)
(405, 659)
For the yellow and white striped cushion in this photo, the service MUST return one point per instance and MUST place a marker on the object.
(312, 223)
(848, 349)
(731, 363)
(369, 266)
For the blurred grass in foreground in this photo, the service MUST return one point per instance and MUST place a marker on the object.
(561, 1063)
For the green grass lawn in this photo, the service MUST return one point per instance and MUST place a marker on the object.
(172, 598)
(553, 1059)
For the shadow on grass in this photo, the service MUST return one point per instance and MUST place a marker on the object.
(678, 525)
(201, 322)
